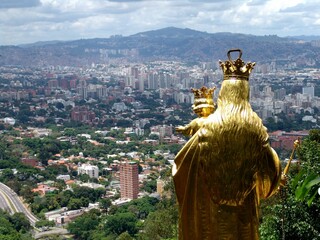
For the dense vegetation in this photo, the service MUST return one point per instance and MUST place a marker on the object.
(145, 218)
(294, 212)
(14, 227)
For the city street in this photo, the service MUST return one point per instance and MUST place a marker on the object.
(10, 200)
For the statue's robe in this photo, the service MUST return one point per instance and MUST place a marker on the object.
(224, 169)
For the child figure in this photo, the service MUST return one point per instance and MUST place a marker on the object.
(203, 106)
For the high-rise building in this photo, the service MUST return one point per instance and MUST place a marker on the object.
(53, 83)
(153, 80)
(141, 83)
(308, 90)
(129, 180)
(73, 83)
(82, 114)
(64, 83)
(279, 94)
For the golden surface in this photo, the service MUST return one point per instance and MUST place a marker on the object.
(203, 106)
(226, 167)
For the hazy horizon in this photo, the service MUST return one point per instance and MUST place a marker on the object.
(31, 21)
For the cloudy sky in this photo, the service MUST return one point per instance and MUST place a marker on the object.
(28, 21)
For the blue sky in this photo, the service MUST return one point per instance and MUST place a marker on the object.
(28, 21)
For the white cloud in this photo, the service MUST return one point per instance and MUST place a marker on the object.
(32, 20)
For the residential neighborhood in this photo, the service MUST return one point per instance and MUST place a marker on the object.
(102, 138)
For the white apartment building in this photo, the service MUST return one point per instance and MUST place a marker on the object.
(119, 107)
(309, 91)
(63, 177)
(92, 171)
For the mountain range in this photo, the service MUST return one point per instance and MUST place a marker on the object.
(164, 44)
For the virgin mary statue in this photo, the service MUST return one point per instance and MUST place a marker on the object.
(227, 166)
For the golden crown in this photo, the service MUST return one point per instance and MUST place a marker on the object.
(203, 98)
(203, 92)
(236, 69)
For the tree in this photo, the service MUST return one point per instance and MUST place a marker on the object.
(7, 232)
(44, 156)
(104, 203)
(75, 203)
(150, 186)
(71, 132)
(59, 105)
(295, 213)
(84, 177)
(26, 193)
(60, 184)
(41, 112)
(314, 135)
(124, 236)
(121, 222)
(7, 174)
(307, 182)
(20, 222)
(142, 206)
(64, 197)
(7, 228)
(160, 224)
(44, 223)
(290, 218)
(154, 137)
(84, 226)
(92, 194)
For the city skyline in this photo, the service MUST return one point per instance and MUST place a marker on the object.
(29, 21)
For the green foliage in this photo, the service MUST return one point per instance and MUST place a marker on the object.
(296, 214)
(77, 203)
(84, 226)
(57, 169)
(270, 227)
(121, 222)
(308, 189)
(20, 222)
(8, 156)
(26, 193)
(160, 224)
(46, 147)
(314, 135)
(307, 182)
(143, 206)
(79, 197)
(13, 227)
(44, 223)
(290, 218)
(84, 177)
(105, 203)
(150, 186)
(7, 174)
(92, 194)
(124, 236)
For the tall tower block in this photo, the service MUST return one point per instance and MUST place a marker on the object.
(129, 180)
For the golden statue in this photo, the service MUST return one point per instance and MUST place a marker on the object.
(227, 166)
(203, 106)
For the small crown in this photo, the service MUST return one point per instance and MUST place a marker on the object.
(203, 98)
(236, 69)
(203, 92)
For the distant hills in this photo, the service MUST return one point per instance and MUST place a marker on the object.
(166, 44)
(306, 38)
